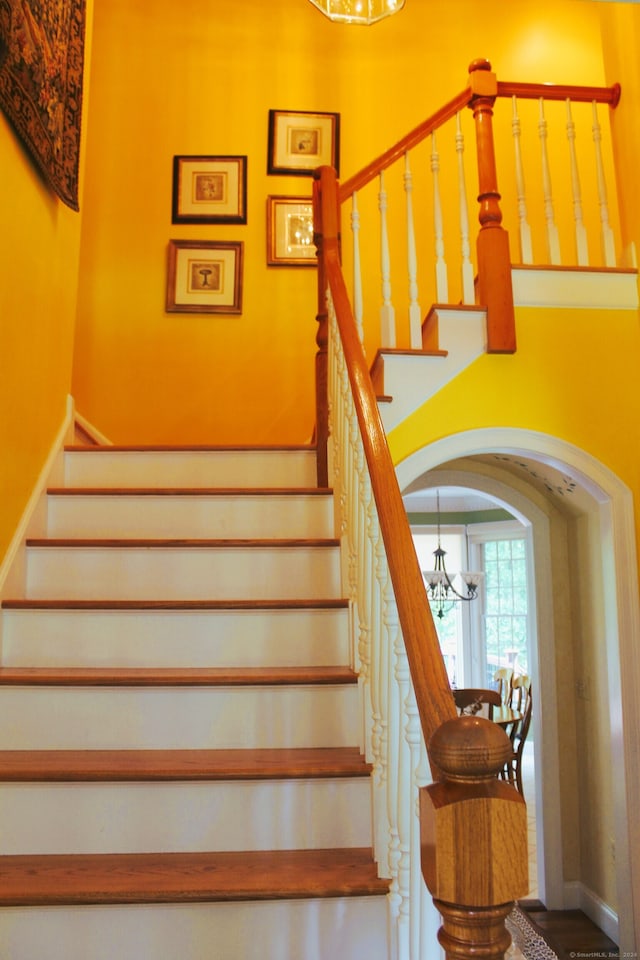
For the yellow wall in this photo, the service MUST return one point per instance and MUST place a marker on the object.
(196, 78)
(621, 45)
(569, 379)
(39, 248)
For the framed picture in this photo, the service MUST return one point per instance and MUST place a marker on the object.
(290, 232)
(300, 142)
(209, 190)
(204, 276)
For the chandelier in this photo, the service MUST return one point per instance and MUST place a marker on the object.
(358, 11)
(441, 592)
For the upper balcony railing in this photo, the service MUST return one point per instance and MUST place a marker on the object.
(545, 185)
(465, 832)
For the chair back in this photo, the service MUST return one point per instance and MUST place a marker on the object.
(470, 700)
(503, 677)
(521, 693)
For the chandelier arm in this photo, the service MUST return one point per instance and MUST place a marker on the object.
(472, 595)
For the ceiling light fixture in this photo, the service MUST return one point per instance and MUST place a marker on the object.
(440, 589)
(358, 11)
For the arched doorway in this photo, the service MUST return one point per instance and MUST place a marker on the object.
(587, 628)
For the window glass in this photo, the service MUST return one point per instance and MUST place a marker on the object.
(505, 614)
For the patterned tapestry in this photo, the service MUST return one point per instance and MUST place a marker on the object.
(41, 65)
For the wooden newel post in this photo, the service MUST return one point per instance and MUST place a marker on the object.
(494, 289)
(473, 839)
(326, 230)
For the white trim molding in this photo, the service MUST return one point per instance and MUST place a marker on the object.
(578, 288)
(615, 511)
(33, 519)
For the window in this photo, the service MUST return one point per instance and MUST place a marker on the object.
(506, 608)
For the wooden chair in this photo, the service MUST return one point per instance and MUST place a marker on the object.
(520, 692)
(504, 678)
(470, 700)
(513, 768)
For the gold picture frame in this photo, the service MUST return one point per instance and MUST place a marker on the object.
(204, 276)
(209, 189)
(300, 142)
(290, 240)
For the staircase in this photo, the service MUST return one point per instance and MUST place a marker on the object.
(179, 722)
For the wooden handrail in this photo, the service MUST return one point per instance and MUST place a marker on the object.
(428, 672)
(467, 815)
(408, 142)
(472, 884)
(558, 91)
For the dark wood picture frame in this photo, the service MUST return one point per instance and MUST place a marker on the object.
(301, 141)
(209, 189)
(290, 232)
(204, 276)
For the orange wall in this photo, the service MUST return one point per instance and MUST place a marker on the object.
(39, 249)
(196, 78)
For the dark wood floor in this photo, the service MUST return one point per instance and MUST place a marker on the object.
(569, 933)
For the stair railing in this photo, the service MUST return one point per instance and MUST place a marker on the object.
(409, 212)
(440, 814)
(469, 840)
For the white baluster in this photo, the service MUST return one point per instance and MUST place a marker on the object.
(387, 312)
(394, 740)
(414, 737)
(430, 919)
(380, 658)
(405, 811)
(442, 282)
(526, 250)
(553, 241)
(606, 233)
(360, 622)
(358, 310)
(363, 579)
(415, 314)
(582, 248)
(468, 286)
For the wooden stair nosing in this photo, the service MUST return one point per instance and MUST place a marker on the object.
(177, 676)
(110, 766)
(191, 448)
(178, 543)
(59, 879)
(188, 605)
(133, 491)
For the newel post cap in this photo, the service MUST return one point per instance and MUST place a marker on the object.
(473, 826)
(482, 80)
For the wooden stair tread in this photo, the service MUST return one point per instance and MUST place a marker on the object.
(188, 448)
(189, 491)
(204, 605)
(187, 877)
(176, 676)
(163, 765)
(180, 543)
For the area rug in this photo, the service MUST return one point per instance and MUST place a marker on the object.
(41, 70)
(526, 942)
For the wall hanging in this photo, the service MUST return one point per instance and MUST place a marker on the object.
(41, 71)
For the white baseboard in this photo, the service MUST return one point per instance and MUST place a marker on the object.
(33, 520)
(579, 897)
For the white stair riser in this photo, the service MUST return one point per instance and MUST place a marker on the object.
(190, 468)
(179, 817)
(242, 638)
(325, 929)
(182, 573)
(48, 718)
(189, 516)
